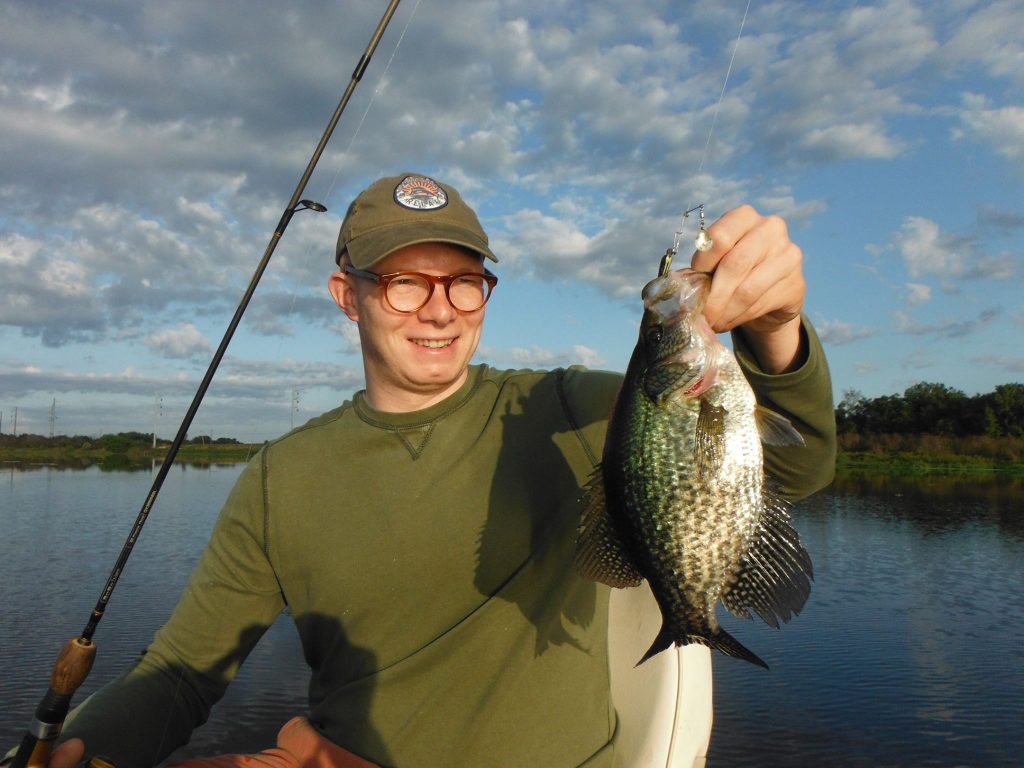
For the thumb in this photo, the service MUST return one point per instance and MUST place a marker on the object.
(67, 755)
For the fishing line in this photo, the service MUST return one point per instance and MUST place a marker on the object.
(721, 96)
(348, 147)
(373, 97)
(703, 241)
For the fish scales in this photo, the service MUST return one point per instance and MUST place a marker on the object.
(681, 499)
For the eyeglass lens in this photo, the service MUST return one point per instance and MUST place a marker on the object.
(467, 293)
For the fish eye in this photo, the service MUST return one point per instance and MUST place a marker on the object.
(654, 335)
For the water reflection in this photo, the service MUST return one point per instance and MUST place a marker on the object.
(940, 504)
(908, 650)
(114, 463)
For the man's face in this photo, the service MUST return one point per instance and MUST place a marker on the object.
(412, 359)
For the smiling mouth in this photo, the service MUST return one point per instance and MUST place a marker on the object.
(433, 343)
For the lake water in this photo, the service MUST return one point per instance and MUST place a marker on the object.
(910, 651)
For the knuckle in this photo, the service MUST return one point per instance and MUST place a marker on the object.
(777, 224)
(747, 294)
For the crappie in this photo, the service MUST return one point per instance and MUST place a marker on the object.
(681, 497)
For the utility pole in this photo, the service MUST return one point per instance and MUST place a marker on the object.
(53, 416)
(158, 407)
(15, 421)
(295, 405)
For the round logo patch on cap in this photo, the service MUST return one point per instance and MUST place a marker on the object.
(420, 193)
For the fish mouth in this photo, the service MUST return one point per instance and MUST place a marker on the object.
(682, 291)
(434, 343)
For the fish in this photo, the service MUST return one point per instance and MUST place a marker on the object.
(681, 498)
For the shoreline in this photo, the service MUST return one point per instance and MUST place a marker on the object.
(848, 463)
(188, 454)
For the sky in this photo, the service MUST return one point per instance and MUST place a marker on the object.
(149, 149)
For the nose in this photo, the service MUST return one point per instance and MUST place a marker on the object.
(438, 310)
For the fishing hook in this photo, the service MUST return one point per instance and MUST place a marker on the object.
(702, 242)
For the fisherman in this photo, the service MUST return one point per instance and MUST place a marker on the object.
(422, 533)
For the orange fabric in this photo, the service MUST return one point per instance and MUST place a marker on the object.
(298, 746)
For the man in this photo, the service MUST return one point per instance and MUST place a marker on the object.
(422, 534)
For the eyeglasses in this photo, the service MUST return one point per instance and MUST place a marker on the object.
(410, 291)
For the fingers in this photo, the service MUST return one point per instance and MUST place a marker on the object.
(758, 272)
(67, 755)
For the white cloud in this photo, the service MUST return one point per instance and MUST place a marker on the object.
(990, 36)
(919, 293)
(588, 357)
(839, 332)
(781, 202)
(949, 328)
(865, 139)
(350, 334)
(555, 244)
(536, 356)
(890, 38)
(926, 250)
(18, 251)
(185, 341)
(1001, 127)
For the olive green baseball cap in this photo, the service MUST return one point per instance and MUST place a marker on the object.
(412, 208)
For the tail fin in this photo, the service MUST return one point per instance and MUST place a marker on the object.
(661, 642)
(720, 641)
(730, 646)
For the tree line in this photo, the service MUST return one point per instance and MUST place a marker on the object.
(922, 409)
(114, 443)
(934, 409)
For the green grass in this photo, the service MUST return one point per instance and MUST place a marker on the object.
(923, 465)
(930, 456)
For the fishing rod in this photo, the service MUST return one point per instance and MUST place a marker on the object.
(76, 659)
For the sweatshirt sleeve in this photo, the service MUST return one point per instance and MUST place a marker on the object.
(803, 396)
(231, 599)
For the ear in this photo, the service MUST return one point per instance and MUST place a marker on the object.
(344, 293)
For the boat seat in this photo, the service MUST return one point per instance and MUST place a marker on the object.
(664, 705)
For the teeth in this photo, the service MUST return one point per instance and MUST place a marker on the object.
(434, 343)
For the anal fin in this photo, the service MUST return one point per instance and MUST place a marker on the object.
(600, 555)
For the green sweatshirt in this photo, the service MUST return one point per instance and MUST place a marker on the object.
(427, 560)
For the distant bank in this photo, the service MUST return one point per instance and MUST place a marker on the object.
(122, 449)
(191, 454)
(902, 455)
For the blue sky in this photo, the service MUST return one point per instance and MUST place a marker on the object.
(149, 149)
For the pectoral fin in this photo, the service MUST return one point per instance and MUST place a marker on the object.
(775, 429)
(710, 437)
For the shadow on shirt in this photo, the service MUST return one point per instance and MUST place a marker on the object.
(527, 545)
(113, 721)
